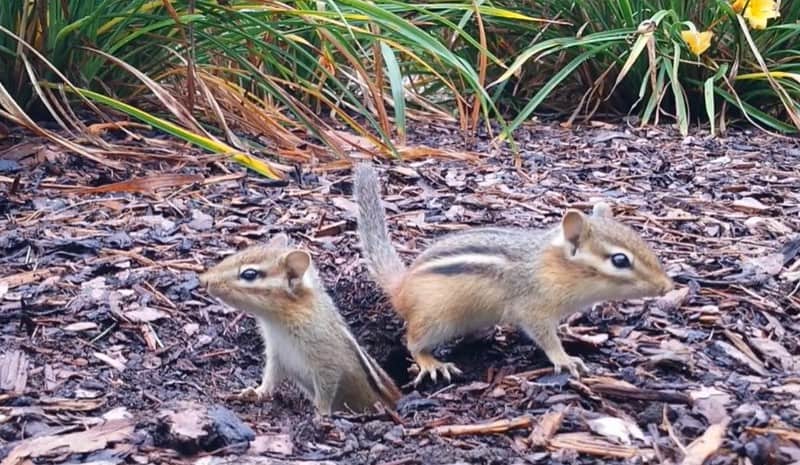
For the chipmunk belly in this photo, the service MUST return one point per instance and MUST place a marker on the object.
(290, 353)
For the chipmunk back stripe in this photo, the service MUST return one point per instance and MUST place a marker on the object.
(466, 250)
(483, 231)
(464, 264)
(376, 377)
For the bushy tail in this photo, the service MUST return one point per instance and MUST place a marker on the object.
(382, 259)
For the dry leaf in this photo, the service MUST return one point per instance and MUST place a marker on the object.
(201, 221)
(347, 205)
(771, 264)
(616, 429)
(775, 351)
(145, 315)
(272, 443)
(673, 299)
(711, 403)
(146, 185)
(757, 224)
(749, 203)
(81, 326)
(405, 171)
(736, 354)
(110, 361)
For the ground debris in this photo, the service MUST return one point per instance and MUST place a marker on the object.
(93, 439)
(701, 448)
(102, 316)
(586, 443)
(190, 427)
(499, 426)
(13, 371)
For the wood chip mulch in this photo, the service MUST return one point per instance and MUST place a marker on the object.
(110, 353)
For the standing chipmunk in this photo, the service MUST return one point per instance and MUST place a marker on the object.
(480, 277)
(305, 337)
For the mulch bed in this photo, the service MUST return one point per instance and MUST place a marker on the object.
(111, 353)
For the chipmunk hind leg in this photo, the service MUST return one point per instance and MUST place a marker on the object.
(438, 308)
(422, 338)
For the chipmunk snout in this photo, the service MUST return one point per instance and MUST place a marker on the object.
(667, 285)
(203, 278)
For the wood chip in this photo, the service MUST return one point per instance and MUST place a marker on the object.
(272, 443)
(625, 391)
(545, 428)
(585, 443)
(145, 315)
(82, 442)
(81, 326)
(27, 277)
(110, 361)
(749, 203)
(13, 371)
(753, 363)
(499, 426)
(701, 448)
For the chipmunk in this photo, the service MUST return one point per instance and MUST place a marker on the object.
(305, 337)
(476, 278)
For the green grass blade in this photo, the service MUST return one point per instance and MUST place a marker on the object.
(212, 145)
(545, 91)
(708, 95)
(398, 91)
(677, 90)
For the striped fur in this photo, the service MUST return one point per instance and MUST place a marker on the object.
(305, 337)
(479, 277)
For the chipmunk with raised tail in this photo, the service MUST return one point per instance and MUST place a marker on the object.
(479, 277)
(305, 337)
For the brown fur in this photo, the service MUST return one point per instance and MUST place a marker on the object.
(484, 276)
(305, 337)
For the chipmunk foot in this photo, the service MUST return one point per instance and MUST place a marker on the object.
(253, 394)
(574, 365)
(429, 366)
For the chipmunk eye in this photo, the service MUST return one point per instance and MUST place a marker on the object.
(249, 274)
(620, 260)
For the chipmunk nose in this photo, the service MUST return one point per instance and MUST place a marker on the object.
(203, 278)
(667, 285)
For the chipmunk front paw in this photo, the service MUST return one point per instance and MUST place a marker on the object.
(574, 365)
(253, 394)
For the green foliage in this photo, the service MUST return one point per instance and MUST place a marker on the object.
(279, 69)
(58, 30)
(630, 57)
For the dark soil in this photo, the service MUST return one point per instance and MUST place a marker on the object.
(90, 280)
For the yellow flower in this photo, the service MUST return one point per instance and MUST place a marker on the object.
(757, 12)
(698, 42)
(738, 5)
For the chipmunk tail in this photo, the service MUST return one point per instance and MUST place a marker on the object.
(382, 259)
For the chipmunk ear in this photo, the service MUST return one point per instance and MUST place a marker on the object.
(296, 264)
(279, 241)
(574, 227)
(602, 210)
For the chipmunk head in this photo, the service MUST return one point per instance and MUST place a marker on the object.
(614, 258)
(262, 279)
